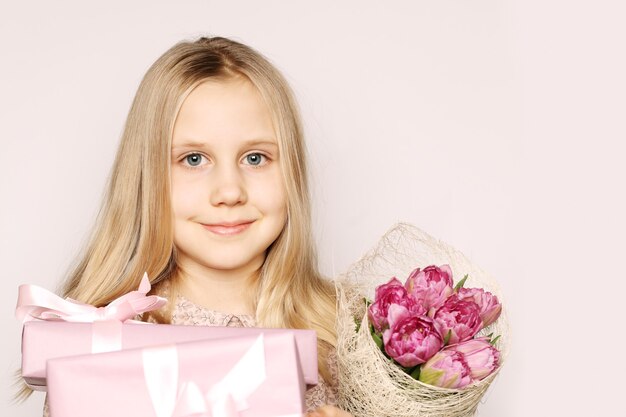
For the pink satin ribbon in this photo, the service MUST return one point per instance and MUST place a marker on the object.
(36, 303)
(226, 398)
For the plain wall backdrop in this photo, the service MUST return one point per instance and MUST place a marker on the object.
(497, 126)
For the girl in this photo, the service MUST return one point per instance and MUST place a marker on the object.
(209, 195)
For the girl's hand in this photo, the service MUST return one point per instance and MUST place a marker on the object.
(328, 411)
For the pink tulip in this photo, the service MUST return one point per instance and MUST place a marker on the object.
(447, 369)
(490, 307)
(458, 318)
(392, 292)
(481, 357)
(430, 286)
(410, 339)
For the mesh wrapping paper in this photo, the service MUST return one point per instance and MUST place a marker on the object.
(370, 385)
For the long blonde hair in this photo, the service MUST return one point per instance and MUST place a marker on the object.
(134, 231)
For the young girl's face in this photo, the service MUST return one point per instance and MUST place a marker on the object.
(228, 196)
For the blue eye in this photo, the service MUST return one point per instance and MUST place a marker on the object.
(194, 159)
(255, 158)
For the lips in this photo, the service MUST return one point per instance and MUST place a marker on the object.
(228, 228)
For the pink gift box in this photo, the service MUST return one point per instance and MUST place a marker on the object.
(251, 376)
(44, 340)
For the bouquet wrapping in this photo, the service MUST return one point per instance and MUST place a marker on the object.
(375, 382)
(245, 376)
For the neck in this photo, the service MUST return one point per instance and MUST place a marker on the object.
(228, 291)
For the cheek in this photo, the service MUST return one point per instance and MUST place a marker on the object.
(184, 197)
(270, 196)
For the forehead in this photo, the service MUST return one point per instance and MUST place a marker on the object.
(223, 110)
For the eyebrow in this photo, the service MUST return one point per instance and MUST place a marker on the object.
(196, 144)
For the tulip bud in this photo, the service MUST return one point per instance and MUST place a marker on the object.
(490, 307)
(392, 292)
(410, 340)
(447, 369)
(459, 318)
(430, 286)
(481, 357)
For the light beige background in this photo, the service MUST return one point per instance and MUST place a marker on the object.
(497, 126)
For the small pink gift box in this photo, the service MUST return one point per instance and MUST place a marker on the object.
(45, 340)
(253, 376)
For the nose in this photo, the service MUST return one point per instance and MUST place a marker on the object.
(228, 187)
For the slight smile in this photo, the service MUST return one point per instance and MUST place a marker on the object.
(227, 229)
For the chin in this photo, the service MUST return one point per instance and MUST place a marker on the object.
(232, 261)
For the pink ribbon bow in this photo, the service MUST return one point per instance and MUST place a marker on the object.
(36, 303)
(226, 398)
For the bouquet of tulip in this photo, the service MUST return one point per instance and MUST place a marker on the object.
(424, 348)
(429, 328)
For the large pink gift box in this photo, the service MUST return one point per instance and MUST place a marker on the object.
(250, 376)
(45, 340)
